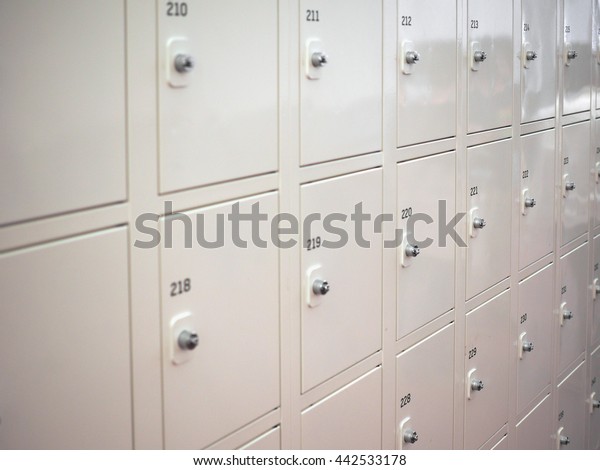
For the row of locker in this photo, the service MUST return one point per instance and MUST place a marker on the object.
(207, 94)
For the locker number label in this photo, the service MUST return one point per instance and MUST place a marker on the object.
(472, 353)
(567, 29)
(563, 290)
(474, 191)
(525, 27)
(181, 287)
(474, 24)
(313, 243)
(406, 21)
(405, 400)
(312, 15)
(177, 9)
(523, 318)
(596, 266)
(406, 213)
(525, 174)
(561, 415)
(566, 161)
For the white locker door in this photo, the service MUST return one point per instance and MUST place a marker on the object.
(570, 426)
(534, 337)
(572, 310)
(426, 46)
(490, 64)
(348, 419)
(229, 298)
(534, 431)
(423, 185)
(62, 107)
(595, 326)
(271, 440)
(486, 369)
(340, 78)
(341, 324)
(538, 60)
(575, 181)
(65, 345)
(536, 221)
(596, 53)
(425, 393)
(596, 173)
(217, 91)
(594, 401)
(489, 203)
(577, 56)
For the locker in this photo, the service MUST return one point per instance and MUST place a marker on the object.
(595, 324)
(433, 268)
(534, 430)
(570, 426)
(271, 440)
(425, 389)
(426, 45)
(572, 311)
(489, 215)
(594, 401)
(575, 180)
(596, 52)
(533, 342)
(490, 64)
(538, 60)
(577, 52)
(596, 172)
(348, 419)
(217, 91)
(536, 222)
(63, 107)
(341, 79)
(237, 333)
(486, 369)
(64, 345)
(341, 324)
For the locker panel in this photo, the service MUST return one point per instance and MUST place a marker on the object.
(489, 200)
(218, 115)
(577, 60)
(534, 431)
(538, 60)
(596, 172)
(425, 388)
(594, 401)
(237, 333)
(348, 419)
(271, 440)
(64, 345)
(570, 426)
(575, 182)
(572, 310)
(426, 96)
(489, 62)
(533, 341)
(486, 368)
(596, 52)
(340, 325)
(536, 222)
(63, 107)
(595, 286)
(433, 268)
(340, 79)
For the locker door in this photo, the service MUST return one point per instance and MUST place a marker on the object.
(570, 426)
(596, 173)
(594, 401)
(340, 79)
(577, 51)
(348, 419)
(422, 184)
(533, 342)
(534, 430)
(424, 391)
(596, 52)
(490, 62)
(489, 215)
(536, 223)
(217, 91)
(271, 440)
(538, 60)
(230, 376)
(486, 367)
(573, 308)
(341, 291)
(575, 182)
(64, 345)
(63, 107)
(595, 326)
(426, 46)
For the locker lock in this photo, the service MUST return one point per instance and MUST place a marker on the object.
(478, 222)
(530, 202)
(320, 287)
(595, 404)
(412, 57)
(412, 251)
(319, 59)
(184, 63)
(567, 315)
(527, 346)
(569, 186)
(479, 56)
(476, 385)
(188, 340)
(564, 441)
(410, 436)
(571, 54)
(531, 55)
(597, 289)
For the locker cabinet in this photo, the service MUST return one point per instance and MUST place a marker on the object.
(230, 377)
(593, 401)
(596, 173)
(570, 425)
(426, 45)
(534, 430)
(596, 53)
(64, 345)
(63, 107)
(217, 91)
(433, 267)
(595, 287)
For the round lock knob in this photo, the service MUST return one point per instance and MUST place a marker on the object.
(479, 56)
(188, 340)
(319, 59)
(184, 63)
(564, 441)
(596, 404)
(572, 55)
(412, 251)
(531, 55)
(320, 287)
(410, 436)
(476, 385)
(567, 315)
(530, 202)
(527, 346)
(570, 186)
(597, 288)
(412, 57)
(478, 222)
